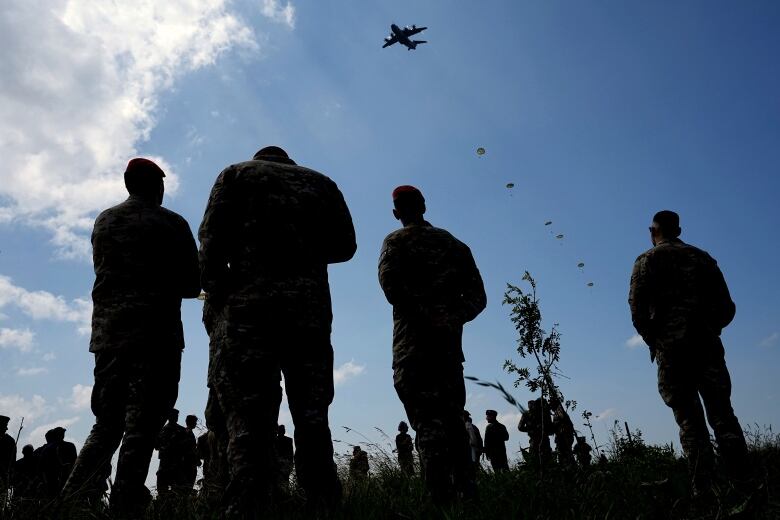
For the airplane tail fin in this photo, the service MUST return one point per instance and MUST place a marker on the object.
(418, 42)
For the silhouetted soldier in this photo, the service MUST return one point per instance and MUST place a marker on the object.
(582, 451)
(475, 439)
(25, 474)
(537, 423)
(145, 262)
(680, 303)
(434, 286)
(404, 447)
(358, 465)
(56, 461)
(284, 454)
(172, 457)
(268, 234)
(495, 439)
(190, 459)
(564, 432)
(7, 454)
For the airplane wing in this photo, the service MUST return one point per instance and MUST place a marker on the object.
(390, 40)
(411, 31)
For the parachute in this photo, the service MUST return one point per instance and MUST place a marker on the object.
(480, 151)
(510, 185)
(590, 284)
(559, 237)
(548, 223)
(581, 265)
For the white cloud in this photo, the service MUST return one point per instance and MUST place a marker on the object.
(635, 341)
(274, 10)
(16, 407)
(81, 85)
(770, 340)
(37, 437)
(49, 356)
(15, 338)
(42, 305)
(80, 397)
(347, 371)
(32, 371)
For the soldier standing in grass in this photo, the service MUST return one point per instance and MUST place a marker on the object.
(564, 432)
(145, 261)
(358, 465)
(495, 442)
(680, 303)
(404, 446)
(434, 286)
(582, 451)
(7, 454)
(537, 423)
(169, 448)
(269, 231)
(189, 449)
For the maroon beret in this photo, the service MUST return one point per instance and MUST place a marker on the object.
(406, 189)
(139, 165)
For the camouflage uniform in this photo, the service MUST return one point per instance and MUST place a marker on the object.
(404, 447)
(172, 457)
(679, 305)
(268, 234)
(145, 261)
(358, 465)
(495, 447)
(434, 285)
(537, 423)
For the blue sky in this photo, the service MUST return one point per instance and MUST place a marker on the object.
(599, 114)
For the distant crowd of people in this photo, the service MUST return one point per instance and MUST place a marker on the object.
(268, 234)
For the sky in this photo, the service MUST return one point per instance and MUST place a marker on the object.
(600, 114)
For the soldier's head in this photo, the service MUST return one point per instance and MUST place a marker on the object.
(356, 450)
(532, 403)
(145, 179)
(580, 440)
(666, 225)
(58, 434)
(4, 423)
(409, 204)
(173, 416)
(281, 430)
(403, 427)
(191, 422)
(273, 153)
(491, 415)
(28, 450)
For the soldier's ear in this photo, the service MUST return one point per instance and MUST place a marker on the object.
(396, 215)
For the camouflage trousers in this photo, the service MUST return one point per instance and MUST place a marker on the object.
(215, 467)
(406, 462)
(687, 375)
(563, 447)
(133, 393)
(246, 378)
(434, 395)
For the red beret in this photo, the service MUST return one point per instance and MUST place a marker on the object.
(406, 189)
(141, 165)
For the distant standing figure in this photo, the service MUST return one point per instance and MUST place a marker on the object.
(145, 261)
(190, 458)
(269, 232)
(582, 451)
(537, 423)
(495, 442)
(55, 461)
(404, 446)
(431, 280)
(7, 453)
(475, 439)
(680, 303)
(285, 455)
(564, 432)
(358, 465)
(172, 457)
(26, 479)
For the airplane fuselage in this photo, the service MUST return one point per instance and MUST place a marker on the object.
(403, 39)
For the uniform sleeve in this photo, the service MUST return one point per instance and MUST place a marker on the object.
(639, 298)
(473, 297)
(341, 244)
(390, 274)
(725, 309)
(214, 236)
(189, 269)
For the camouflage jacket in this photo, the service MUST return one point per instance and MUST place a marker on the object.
(495, 437)
(145, 261)
(404, 444)
(431, 280)
(678, 292)
(268, 234)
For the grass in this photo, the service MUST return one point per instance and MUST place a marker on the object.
(638, 481)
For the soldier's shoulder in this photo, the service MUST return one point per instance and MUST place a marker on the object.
(172, 216)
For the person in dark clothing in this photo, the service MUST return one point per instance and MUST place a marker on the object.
(269, 232)
(496, 436)
(26, 478)
(145, 262)
(431, 280)
(190, 458)
(582, 451)
(7, 454)
(404, 447)
(170, 451)
(55, 461)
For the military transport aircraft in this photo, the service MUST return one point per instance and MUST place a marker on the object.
(402, 35)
